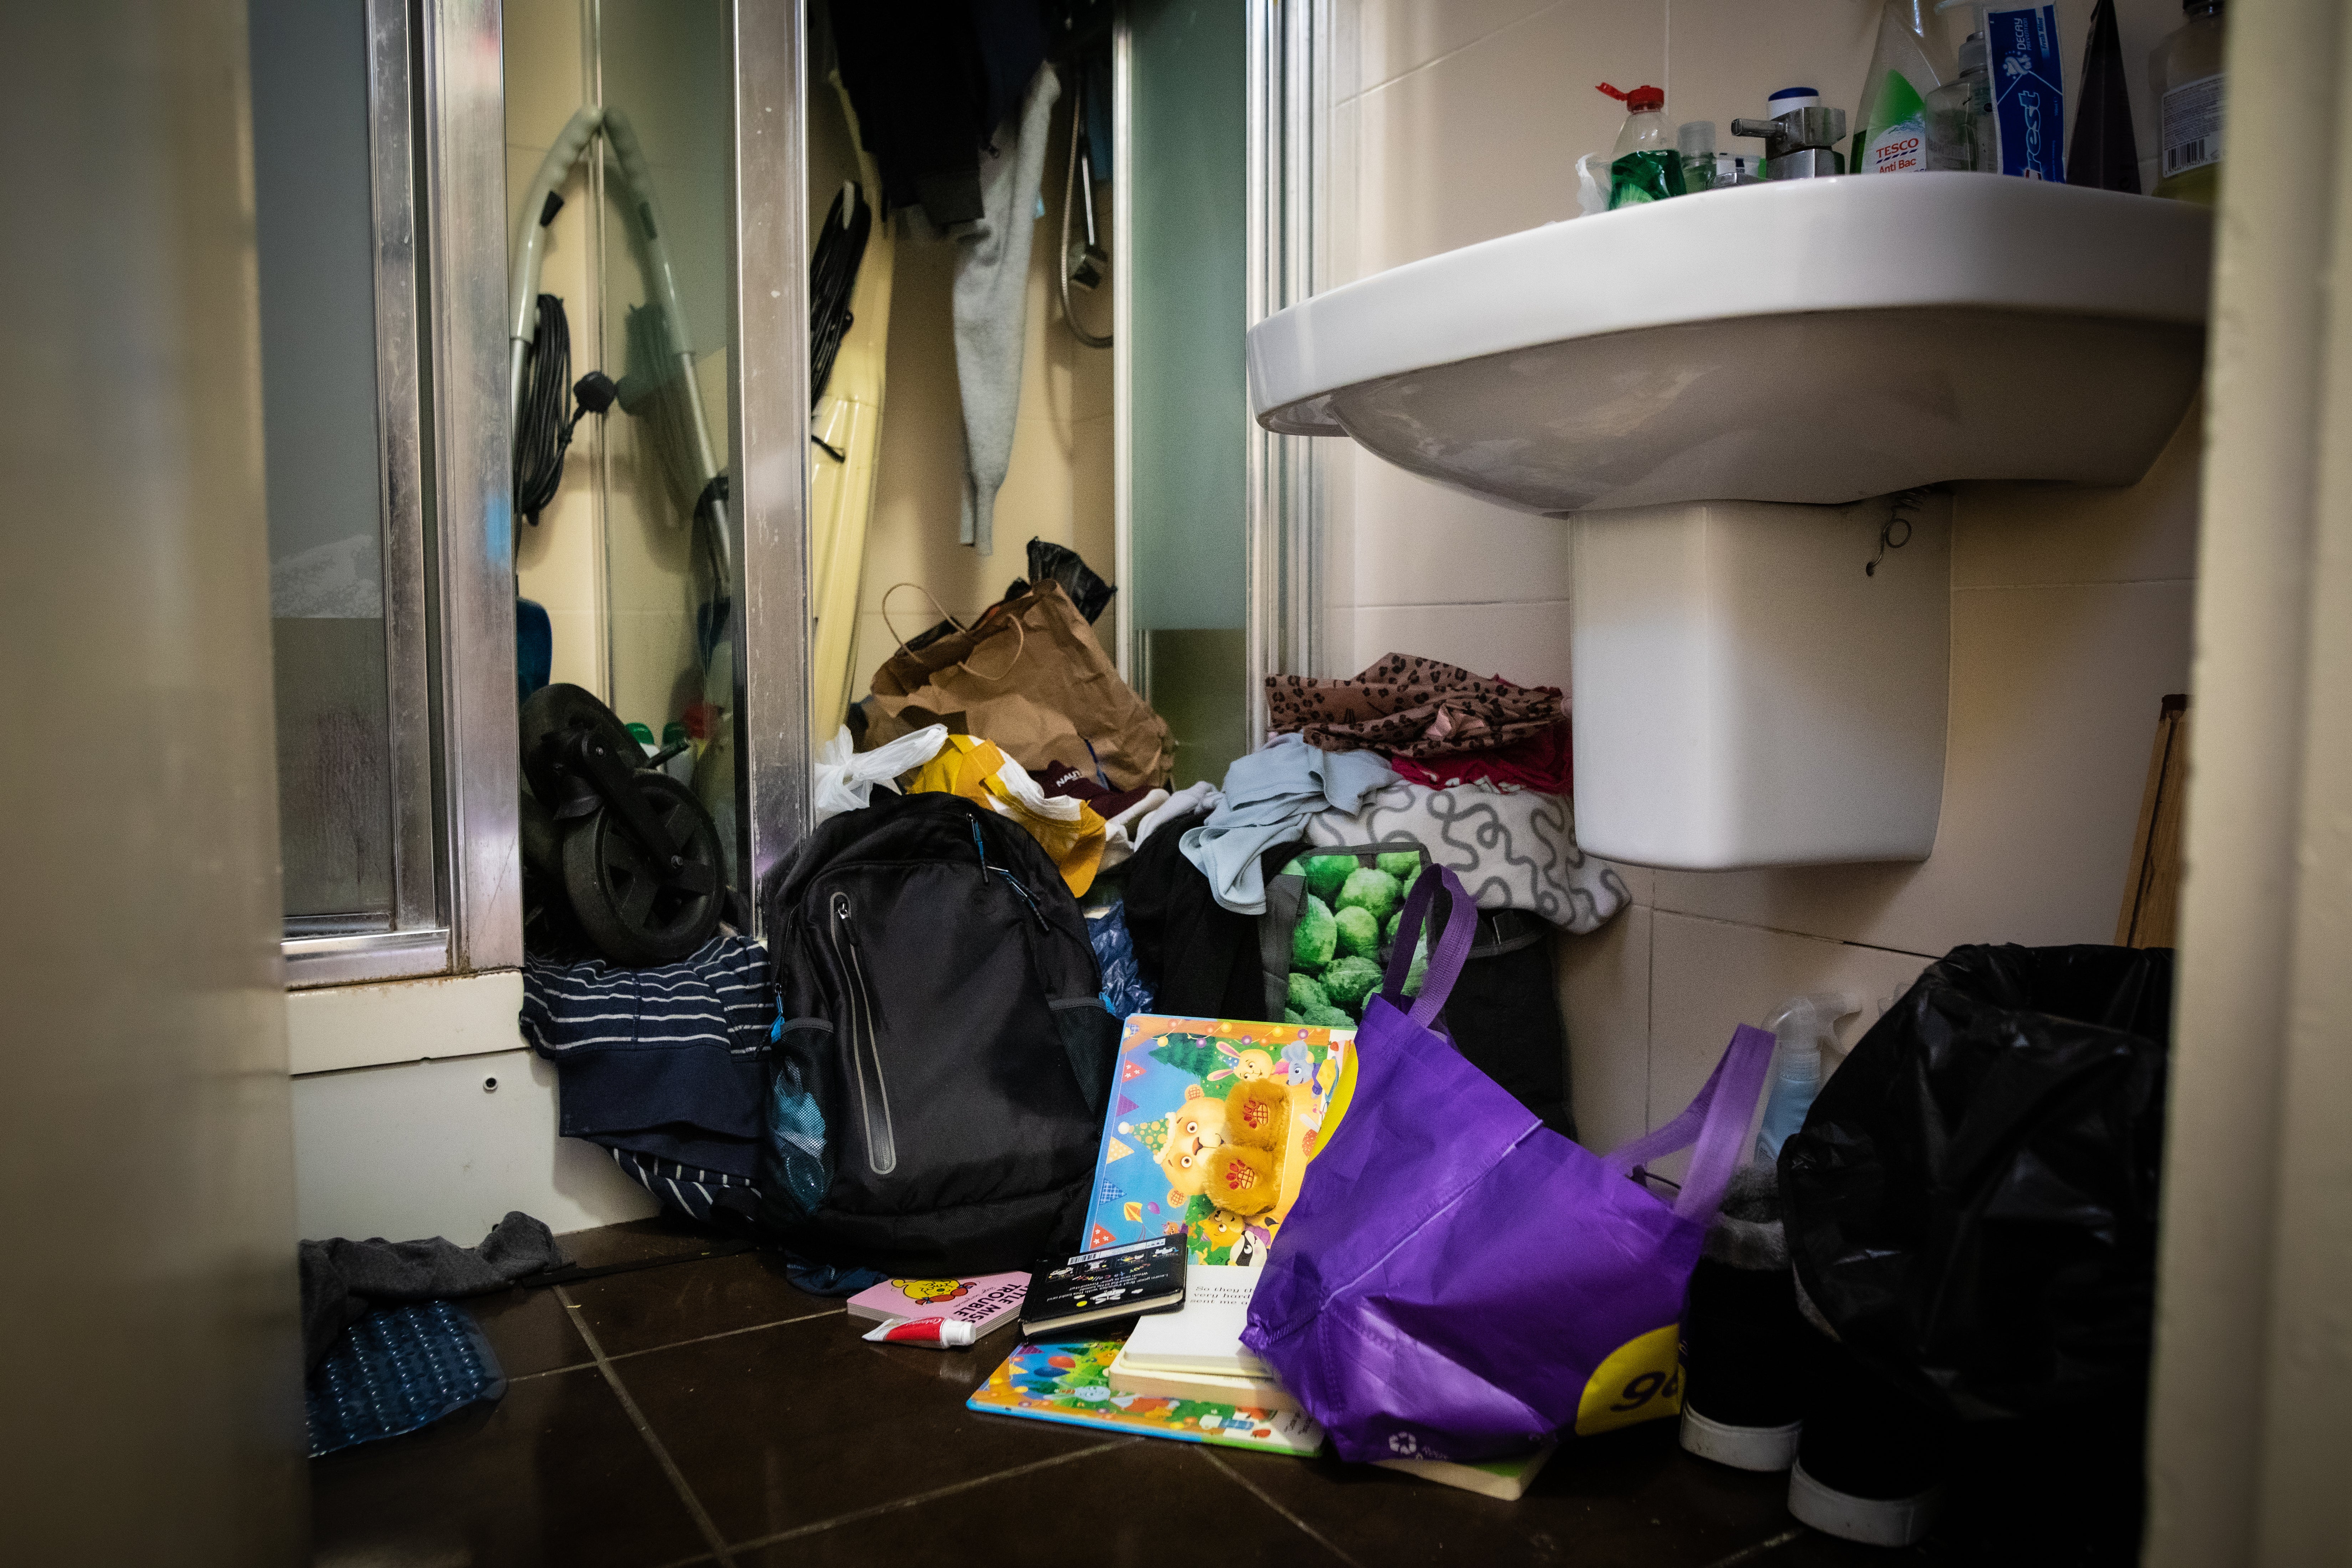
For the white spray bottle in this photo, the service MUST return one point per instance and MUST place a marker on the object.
(1802, 1027)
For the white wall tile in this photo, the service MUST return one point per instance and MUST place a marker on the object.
(2055, 693)
(1485, 140)
(1725, 57)
(2012, 536)
(1605, 1000)
(424, 1149)
(1523, 643)
(1412, 542)
(1393, 37)
(1708, 976)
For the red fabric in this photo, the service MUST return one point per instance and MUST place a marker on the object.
(1056, 779)
(1544, 762)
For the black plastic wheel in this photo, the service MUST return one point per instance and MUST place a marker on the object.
(554, 710)
(638, 912)
(542, 840)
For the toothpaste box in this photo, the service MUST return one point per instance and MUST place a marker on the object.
(2028, 106)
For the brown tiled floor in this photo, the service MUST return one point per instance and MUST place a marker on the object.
(704, 1411)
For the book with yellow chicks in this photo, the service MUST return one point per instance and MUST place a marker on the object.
(1211, 1127)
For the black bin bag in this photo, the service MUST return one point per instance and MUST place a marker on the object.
(1972, 1201)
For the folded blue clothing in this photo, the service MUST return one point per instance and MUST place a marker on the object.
(666, 1062)
(1269, 797)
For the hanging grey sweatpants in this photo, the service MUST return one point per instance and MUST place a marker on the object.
(991, 305)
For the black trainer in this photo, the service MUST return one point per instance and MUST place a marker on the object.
(1743, 1374)
(1871, 1462)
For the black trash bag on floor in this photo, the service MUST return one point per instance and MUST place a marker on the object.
(1972, 1201)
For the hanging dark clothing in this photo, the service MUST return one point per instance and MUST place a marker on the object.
(931, 80)
(1200, 959)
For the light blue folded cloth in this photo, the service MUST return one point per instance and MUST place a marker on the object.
(1269, 795)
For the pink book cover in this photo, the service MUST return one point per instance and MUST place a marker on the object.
(983, 1300)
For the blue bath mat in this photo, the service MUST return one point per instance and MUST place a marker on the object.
(398, 1370)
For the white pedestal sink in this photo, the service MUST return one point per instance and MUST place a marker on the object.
(1815, 341)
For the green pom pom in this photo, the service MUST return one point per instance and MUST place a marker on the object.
(1305, 993)
(1375, 892)
(1290, 1016)
(1325, 873)
(1404, 865)
(1316, 936)
(1359, 934)
(1349, 979)
(1326, 1016)
(1296, 868)
(1387, 931)
(1418, 968)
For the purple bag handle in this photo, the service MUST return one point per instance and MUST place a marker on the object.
(1716, 1119)
(1446, 954)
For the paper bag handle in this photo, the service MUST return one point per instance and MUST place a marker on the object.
(1021, 633)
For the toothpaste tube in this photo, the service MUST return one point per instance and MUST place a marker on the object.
(939, 1333)
(2029, 106)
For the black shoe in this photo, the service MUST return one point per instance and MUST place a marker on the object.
(1743, 1377)
(1870, 1465)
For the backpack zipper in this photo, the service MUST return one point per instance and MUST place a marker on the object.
(980, 845)
(865, 1046)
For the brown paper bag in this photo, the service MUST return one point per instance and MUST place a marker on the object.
(1029, 677)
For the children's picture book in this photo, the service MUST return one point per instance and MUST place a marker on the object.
(1243, 1392)
(1211, 1127)
(1071, 1383)
(1507, 1478)
(984, 1301)
(1095, 1287)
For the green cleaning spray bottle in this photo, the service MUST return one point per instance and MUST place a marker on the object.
(1645, 165)
(1890, 133)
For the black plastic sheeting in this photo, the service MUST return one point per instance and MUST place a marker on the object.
(1972, 1201)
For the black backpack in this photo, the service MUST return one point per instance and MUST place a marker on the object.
(943, 1057)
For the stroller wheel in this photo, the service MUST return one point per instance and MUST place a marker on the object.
(552, 711)
(637, 911)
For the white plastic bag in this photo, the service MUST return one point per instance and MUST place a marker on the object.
(1591, 188)
(845, 776)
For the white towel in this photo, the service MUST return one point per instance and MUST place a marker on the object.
(991, 305)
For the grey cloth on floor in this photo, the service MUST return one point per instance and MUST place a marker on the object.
(1270, 795)
(343, 1281)
(991, 305)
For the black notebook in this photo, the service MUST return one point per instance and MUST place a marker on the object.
(1097, 1287)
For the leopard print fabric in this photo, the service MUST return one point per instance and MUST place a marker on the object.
(1405, 706)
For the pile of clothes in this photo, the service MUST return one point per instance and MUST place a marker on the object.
(1277, 898)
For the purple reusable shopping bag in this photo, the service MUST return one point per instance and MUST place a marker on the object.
(1457, 1281)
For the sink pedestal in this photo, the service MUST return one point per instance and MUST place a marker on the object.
(1747, 695)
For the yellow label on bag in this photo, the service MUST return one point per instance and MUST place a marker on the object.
(1641, 1381)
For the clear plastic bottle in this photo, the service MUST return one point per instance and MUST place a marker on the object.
(1799, 1029)
(1694, 139)
(1959, 116)
(1644, 166)
(1890, 136)
(2187, 72)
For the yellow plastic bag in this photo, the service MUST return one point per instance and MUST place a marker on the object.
(1070, 831)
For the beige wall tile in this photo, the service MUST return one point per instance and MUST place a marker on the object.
(1485, 140)
(1527, 643)
(1393, 37)
(545, 81)
(1640, 882)
(1412, 542)
(1604, 999)
(2055, 693)
(1707, 977)
(1724, 57)
(2008, 535)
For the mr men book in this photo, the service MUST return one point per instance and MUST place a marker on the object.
(1071, 1383)
(983, 1300)
(1212, 1124)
